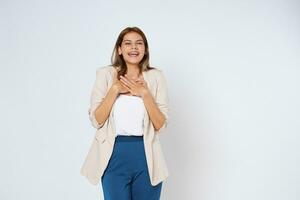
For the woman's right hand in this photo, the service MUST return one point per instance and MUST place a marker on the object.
(119, 88)
(117, 85)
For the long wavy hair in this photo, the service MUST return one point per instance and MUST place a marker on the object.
(118, 61)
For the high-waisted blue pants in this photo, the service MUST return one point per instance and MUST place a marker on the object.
(126, 176)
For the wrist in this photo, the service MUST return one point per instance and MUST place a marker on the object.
(145, 93)
(115, 90)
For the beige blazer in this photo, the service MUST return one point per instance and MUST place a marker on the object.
(102, 144)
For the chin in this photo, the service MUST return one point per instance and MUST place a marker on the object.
(134, 62)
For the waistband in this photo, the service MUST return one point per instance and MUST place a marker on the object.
(128, 138)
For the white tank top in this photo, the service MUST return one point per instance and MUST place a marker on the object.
(129, 115)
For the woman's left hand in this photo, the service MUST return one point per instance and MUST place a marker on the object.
(137, 87)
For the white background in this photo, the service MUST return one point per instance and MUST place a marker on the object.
(233, 72)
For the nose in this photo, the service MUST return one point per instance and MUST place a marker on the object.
(134, 46)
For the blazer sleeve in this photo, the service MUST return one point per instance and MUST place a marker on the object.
(162, 99)
(97, 95)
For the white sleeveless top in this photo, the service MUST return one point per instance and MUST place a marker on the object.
(129, 115)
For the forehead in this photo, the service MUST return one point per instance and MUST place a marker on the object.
(133, 36)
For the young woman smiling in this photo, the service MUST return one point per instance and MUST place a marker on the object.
(129, 108)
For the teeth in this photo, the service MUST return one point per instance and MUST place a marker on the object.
(133, 54)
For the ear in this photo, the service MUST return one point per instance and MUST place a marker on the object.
(119, 51)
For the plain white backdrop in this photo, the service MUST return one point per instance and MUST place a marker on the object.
(233, 72)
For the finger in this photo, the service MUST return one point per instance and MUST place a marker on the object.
(125, 78)
(140, 82)
(128, 88)
(125, 86)
(141, 79)
(131, 80)
(126, 81)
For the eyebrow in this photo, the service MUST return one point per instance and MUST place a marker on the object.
(131, 40)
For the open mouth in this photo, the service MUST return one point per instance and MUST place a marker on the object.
(133, 54)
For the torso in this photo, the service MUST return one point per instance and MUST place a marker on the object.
(128, 93)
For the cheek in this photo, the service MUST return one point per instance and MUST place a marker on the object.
(143, 52)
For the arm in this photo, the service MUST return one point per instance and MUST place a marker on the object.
(158, 107)
(103, 110)
(156, 116)
(101, 99)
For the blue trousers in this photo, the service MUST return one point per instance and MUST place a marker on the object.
(126, 176)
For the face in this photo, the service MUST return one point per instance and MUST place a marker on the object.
(132, 48)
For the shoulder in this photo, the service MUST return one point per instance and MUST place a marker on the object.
(105, 69)
(156, 74)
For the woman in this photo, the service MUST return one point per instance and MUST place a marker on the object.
(129, 108)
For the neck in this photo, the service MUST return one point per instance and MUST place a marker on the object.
(133, 70)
